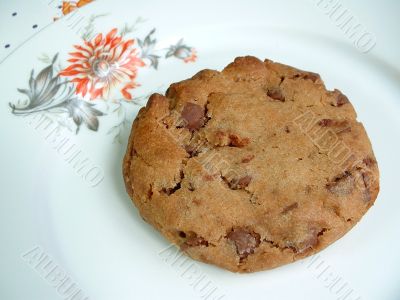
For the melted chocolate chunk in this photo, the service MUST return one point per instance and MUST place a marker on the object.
(244, 240)
(191, 187)
(307, 76)
(342, 185)
(368, 161)
(339, 125)
(192, 150)
(194, 241)
(367, 181)
(290, 207)
(311, 76)
(193, 115)
(244, 181)
(240, 183)
(276, 94)
(333, 123)
(170, 191)
(340, 98)
(311, 240)
(236, 141)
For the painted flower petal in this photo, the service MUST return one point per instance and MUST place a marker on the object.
(98, 39)
(81, 3)
(80, 48)
(89, 44)
(124, 90)
(111, 35)
(67, 7)
(78, 54)
(69, 73)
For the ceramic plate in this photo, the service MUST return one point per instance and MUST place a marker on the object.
(74, 74)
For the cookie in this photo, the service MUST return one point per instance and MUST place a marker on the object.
(250, 168)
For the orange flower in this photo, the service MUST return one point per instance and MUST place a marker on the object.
(102, 64)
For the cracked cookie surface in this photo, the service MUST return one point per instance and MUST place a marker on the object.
(252, 167)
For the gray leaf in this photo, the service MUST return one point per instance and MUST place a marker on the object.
(32, 85)
(24, 91)
(43, 79)
(153, 61)
(50, 91)
(92, 123)
(83, 112)
(170, 52)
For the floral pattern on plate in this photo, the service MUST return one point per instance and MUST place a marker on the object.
(102, 64)
(101, 70)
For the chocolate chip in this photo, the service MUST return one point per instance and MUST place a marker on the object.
(276, 94)
(244, 181)
(193, 115)
(289, 208)
(191, 150)
(247, 158)
(245, 241)
(240, 183)
(367, 181)
(311, 240)
(325, 122)
(170, 191)
(333, 123)
(194, 241)
(236, 141)
(311, 76)
(340, 98)
(307, 76)
(191, 187)
(368, 161)
(309, 243)
(342, 185)
(339, 125)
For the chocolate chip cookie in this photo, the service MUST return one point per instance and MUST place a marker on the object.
(252, 167)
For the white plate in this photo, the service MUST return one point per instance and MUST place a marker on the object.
(84, 221)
